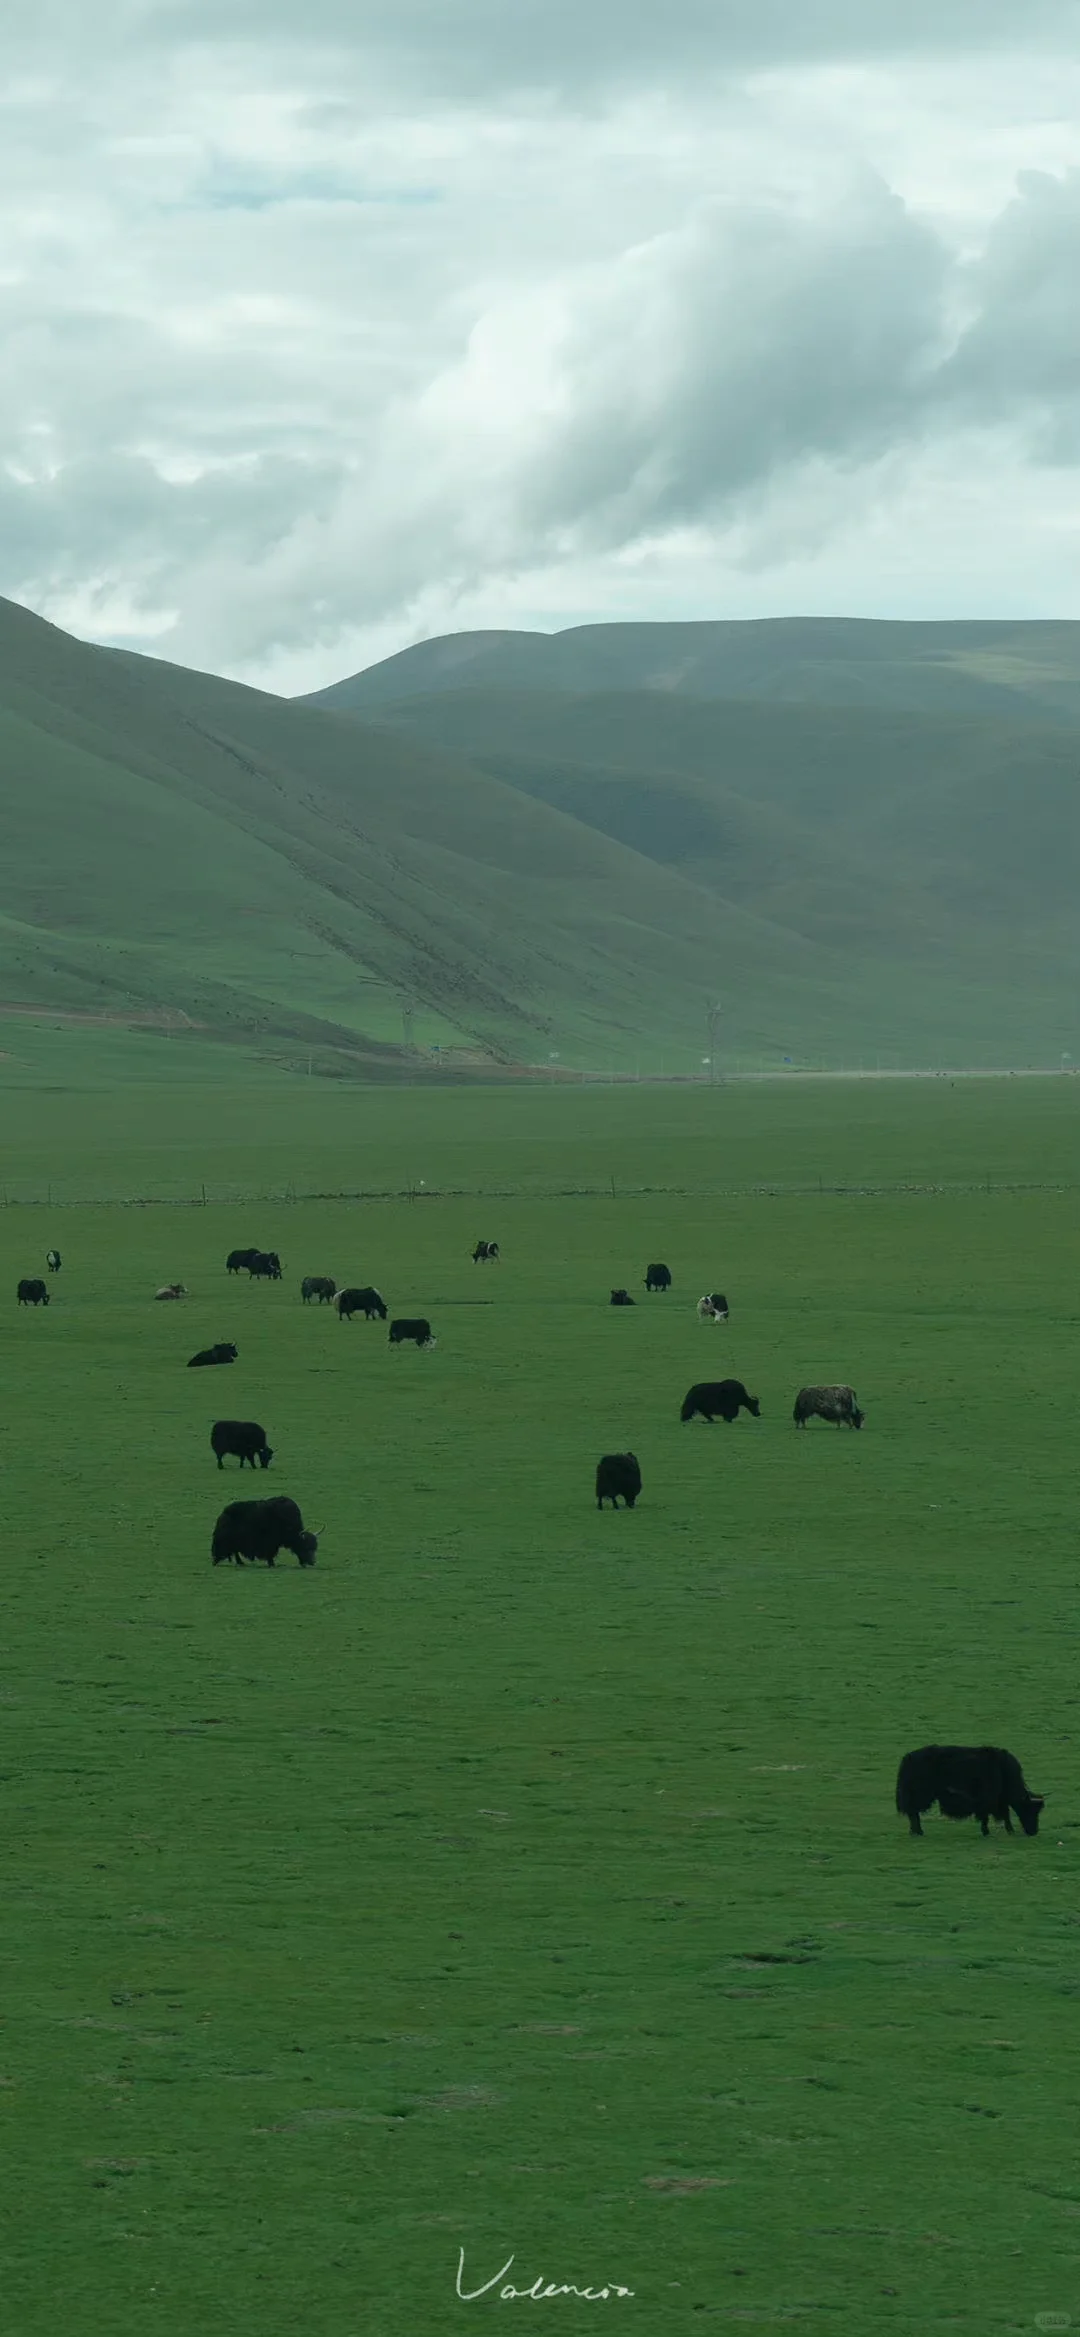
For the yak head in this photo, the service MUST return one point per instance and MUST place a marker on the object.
(265, 1456)
(857, 1418)
(306, 1547)
(753, 1406)
(1029, 1815)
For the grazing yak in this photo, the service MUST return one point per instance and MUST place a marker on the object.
(719, 1399)
(320, 1286)
(53, 1261)
(225, 1353)
(370, 1303)
(966, 1781)
(617, 1473)
(839, 1404)
(257, 1530)
(417, 1329)
(486, 1253)
(264, 1266)
(713, 1308)
(172, 1290)
(658, 1278)
(32, 1293)
(621, 1298)
(238, 1261)
(244, 1438)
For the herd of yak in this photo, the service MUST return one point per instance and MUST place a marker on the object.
(966, 1781)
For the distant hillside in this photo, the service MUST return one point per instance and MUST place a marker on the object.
(533, 875)
(1021, 671)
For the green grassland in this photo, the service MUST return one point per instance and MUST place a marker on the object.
(344, 1927)
(518, 871)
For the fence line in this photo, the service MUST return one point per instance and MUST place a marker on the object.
(817, 1188)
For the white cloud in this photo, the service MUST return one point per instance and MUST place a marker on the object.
(311, 341)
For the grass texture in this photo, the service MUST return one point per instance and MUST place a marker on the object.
(344, 1928)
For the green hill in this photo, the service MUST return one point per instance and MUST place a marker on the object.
(530, 874)
(1020, 671)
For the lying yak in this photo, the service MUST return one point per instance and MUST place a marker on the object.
(369, 1303)
(486, 1253)
(172, 1290)
(719, 1399)
(32, 1293)
(837, 1403)
(53, 1261)
(238, 1261)
(244, 1438)
(617, 1473)
(713, 1308)
(418, 1329)
(319, 1286)
(225, 1353)
(256, 1530)
(966, 1781)
(621, 1298)
(658, 1278)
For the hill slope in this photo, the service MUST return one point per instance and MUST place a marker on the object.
(1019, 671)
(532, 874)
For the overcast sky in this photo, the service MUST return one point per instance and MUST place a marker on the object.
(331, 324)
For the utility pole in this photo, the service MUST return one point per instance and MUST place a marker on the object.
(712, 1025)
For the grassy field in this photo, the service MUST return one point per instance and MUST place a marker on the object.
(343, 1926)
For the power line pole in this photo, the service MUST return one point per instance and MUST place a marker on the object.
(712, 1025)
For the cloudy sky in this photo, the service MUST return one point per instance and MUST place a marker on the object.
(331, 324)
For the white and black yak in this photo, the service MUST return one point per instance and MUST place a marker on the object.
(32, 1292)
(370, 1303)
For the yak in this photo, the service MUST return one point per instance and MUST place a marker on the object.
(966, 1781)
(719, 1399)
(172, 1290)
(835, 1403)
(320, 1286)
(621, 1298)
(617, 1473)
(225, 1353)
(370, 1303)
(250, 1531)
(658, 1278)
(713, 1308)
(244, 1438)
(417, 1328)
(32, 1293)
(486, 1253)
(53, 1261)
(238, 1261)
(264, 1266)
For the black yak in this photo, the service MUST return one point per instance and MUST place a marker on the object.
(225, 1353)
(486, 1253)
(238, 1261)
(369, 1303)
(658, 1278)
(53, 1261)
(967, 1781)
(835, 1403)
(617, 1473)
(713, 1308)
(33, 1293)
(417, 1329)
(257, 1530)
(264, 1266)
(319, 1286)
(721, 1399)
(621, 1298)
(244, 1438)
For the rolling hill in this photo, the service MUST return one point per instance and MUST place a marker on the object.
(532, 872)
